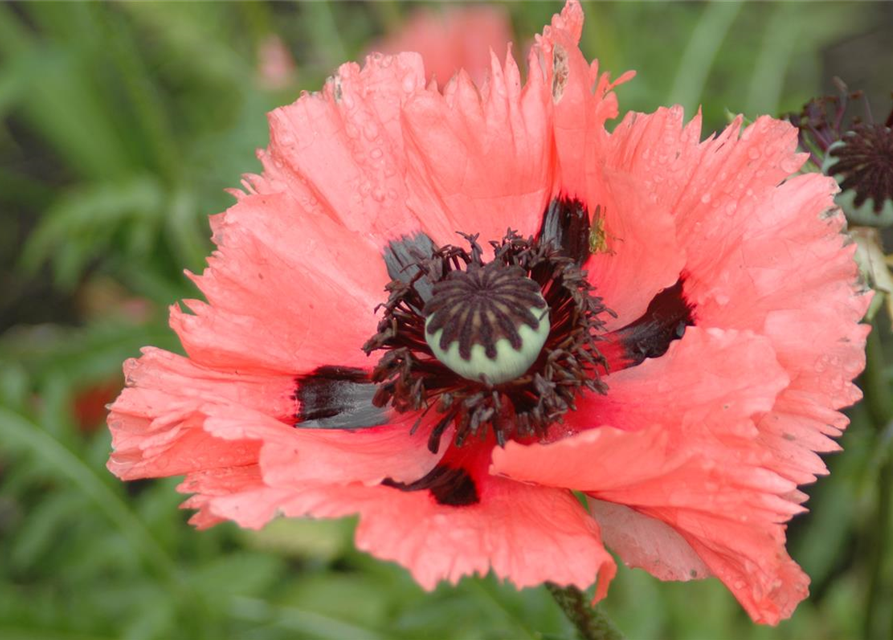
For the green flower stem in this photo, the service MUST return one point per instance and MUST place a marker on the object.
(874, 383)
(591, 623)
(879, 400)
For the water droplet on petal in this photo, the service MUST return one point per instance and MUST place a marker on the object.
(790, 165)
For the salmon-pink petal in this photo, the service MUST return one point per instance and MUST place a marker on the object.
(639, 255)
(340, 152)
(156, 424)
(582, 99)
(526, 534)
(724, 505)
(179, 417)
(691, 460)
(710, 378)
(291, 456)
(234, 493)
(482, 159)
(647, 543)
(764, 252)
(278, 277)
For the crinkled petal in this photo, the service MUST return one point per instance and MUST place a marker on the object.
(638, 255)
(293, 456)
(646, 542)
(764, 252)
(341, 152)
(157, 429)
(178, 417)
(279, 276)
(582, 99)
(526, 534)
(682, 448)
(482, 159)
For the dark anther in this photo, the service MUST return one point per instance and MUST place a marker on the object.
(449, 486)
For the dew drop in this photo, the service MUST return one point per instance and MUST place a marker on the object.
(408, 83)
(790, 165)
(706, 198)
(375, 153)
(753, 153)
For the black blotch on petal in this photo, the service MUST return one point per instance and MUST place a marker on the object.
(401, 256)
(336, 398)
(566, 223)
(449, 486)
(665, 320)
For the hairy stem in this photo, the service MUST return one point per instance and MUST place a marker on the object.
(591, 623)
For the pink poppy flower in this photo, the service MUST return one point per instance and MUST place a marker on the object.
(451, 39)
(446, 312)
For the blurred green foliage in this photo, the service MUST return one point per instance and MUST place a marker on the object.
(122, 124)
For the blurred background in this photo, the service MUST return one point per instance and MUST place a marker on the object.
(121, 125)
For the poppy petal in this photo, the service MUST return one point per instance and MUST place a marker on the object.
(526, 534)
(683, 449)
(278, 277)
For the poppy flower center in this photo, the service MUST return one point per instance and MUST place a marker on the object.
(499, 348)
(488, 323)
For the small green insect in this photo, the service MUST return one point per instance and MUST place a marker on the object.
(598, 237)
